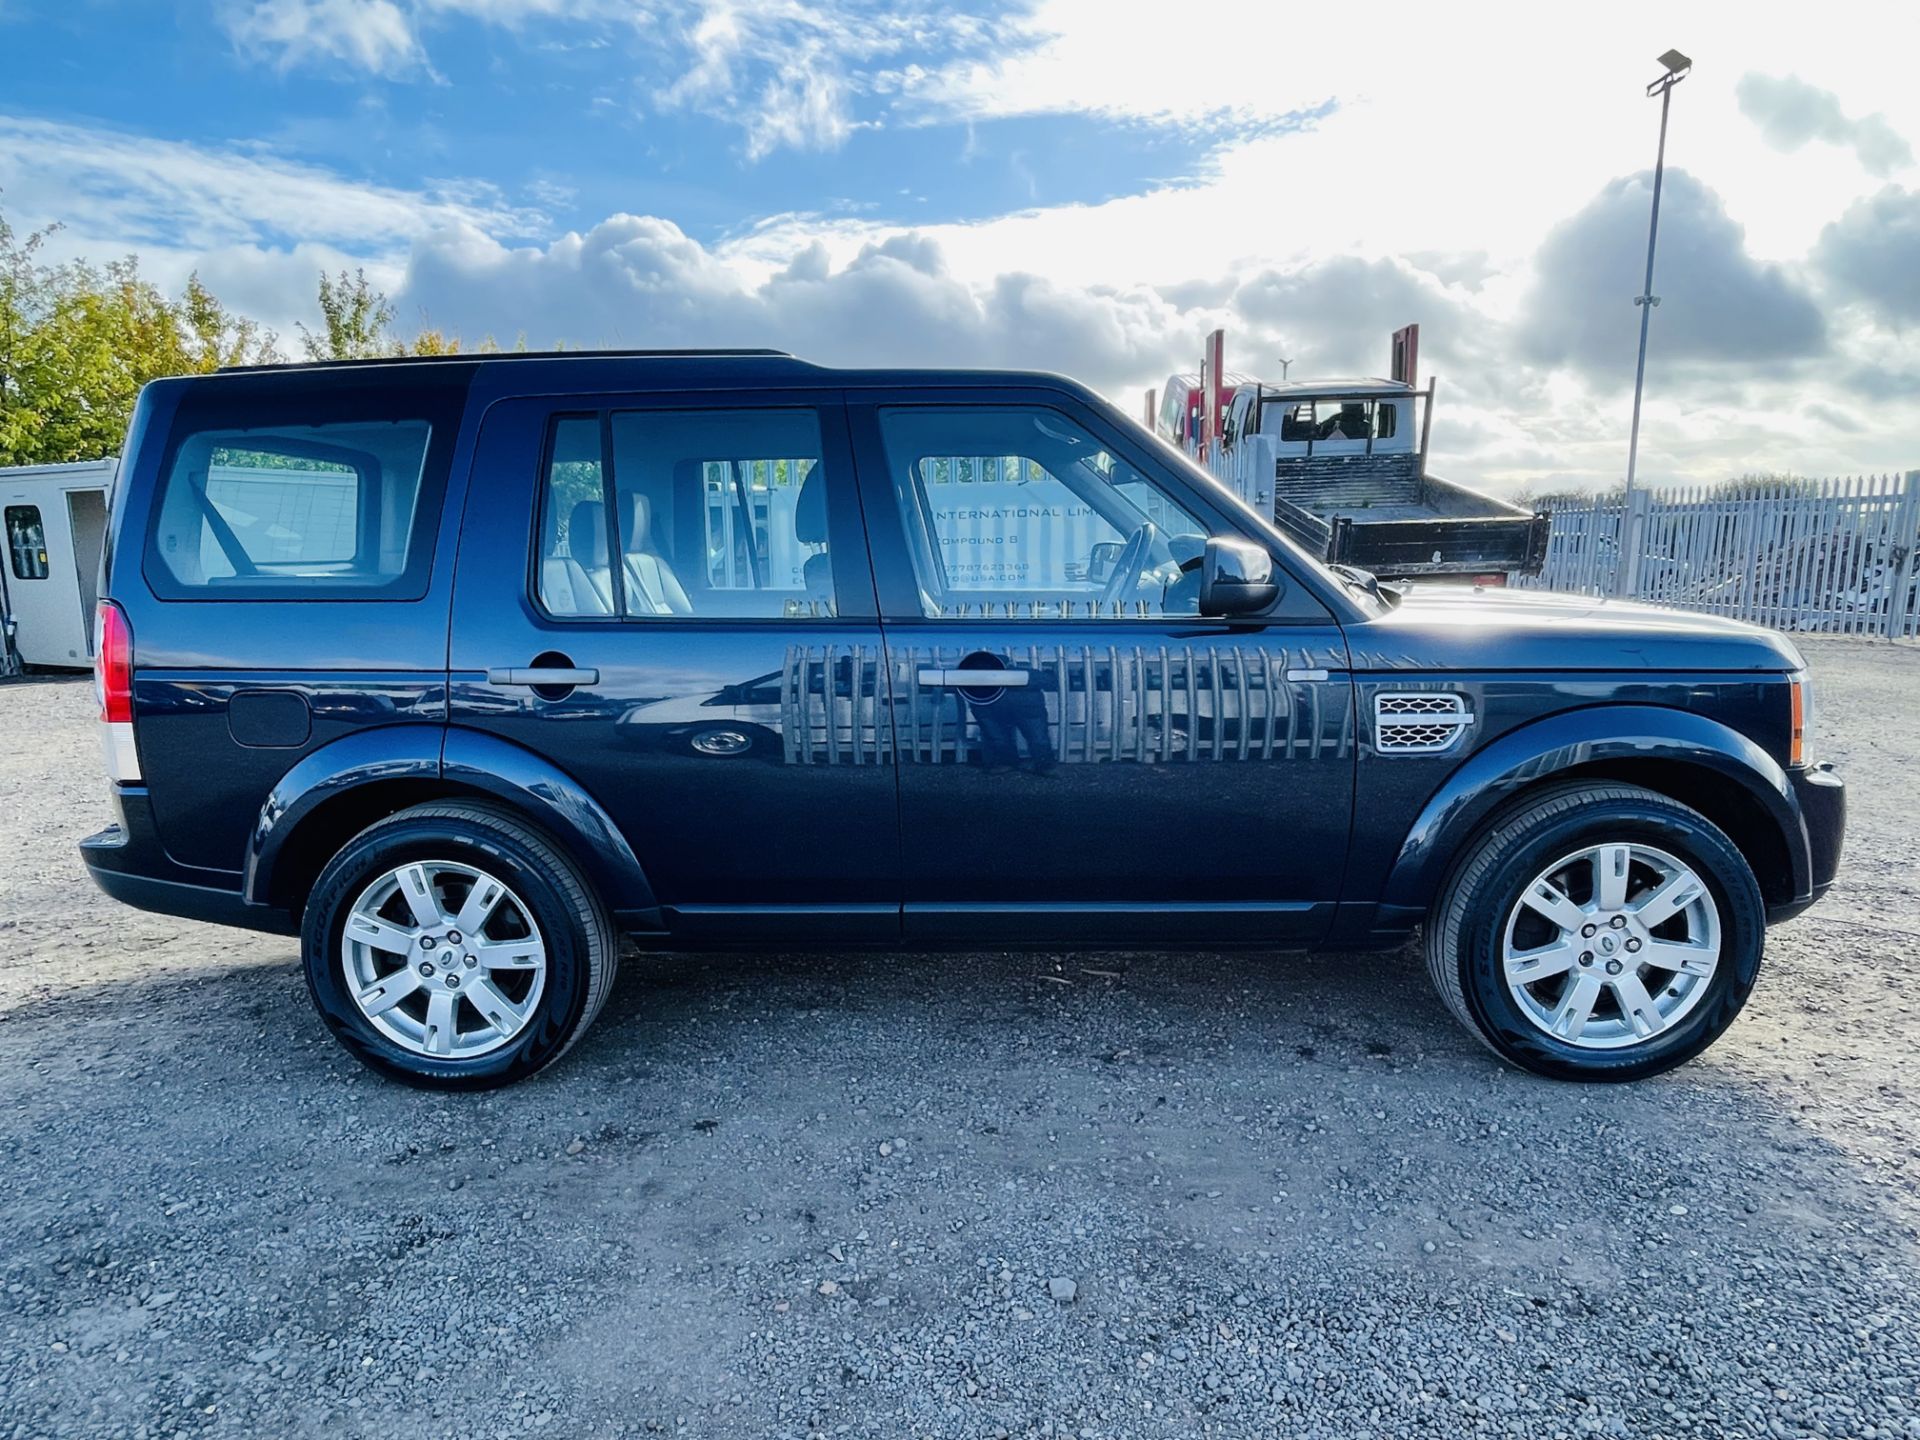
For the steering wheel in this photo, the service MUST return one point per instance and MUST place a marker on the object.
(1130, 566)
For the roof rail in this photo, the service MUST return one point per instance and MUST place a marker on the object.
(472, 356)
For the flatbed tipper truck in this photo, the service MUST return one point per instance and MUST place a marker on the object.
(1341, 465)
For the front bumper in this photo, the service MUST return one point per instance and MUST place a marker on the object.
(128, 861)
(1822, 796)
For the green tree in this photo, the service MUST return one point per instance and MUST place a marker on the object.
(77, 342)
(356, 323)
(355, 320)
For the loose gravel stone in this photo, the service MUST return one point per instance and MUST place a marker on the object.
(1290, 1197)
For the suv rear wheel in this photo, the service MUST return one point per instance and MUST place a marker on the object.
(451, 946)
(1600, 932)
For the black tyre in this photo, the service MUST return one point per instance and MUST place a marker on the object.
(1598, 932)
(453, 947)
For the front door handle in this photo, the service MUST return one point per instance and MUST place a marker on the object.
(543, 675)
(977, 679)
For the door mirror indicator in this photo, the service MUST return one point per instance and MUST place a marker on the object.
(1236, 578)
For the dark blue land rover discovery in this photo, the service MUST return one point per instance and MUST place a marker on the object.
(467, 670)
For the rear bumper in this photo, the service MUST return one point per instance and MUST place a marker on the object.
(129, 863)
(1822, 796)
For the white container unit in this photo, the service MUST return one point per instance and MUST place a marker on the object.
(53, 520)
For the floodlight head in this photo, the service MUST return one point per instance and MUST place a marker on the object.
(1675, 62)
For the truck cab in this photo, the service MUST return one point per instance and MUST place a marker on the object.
(1178, 420)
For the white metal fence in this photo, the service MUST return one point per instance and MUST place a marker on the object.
(1811, 555)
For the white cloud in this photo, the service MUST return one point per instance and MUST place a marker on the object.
(639, 280)
(1482, 173)
(787, 73)
(1792, 113)
(372, 35)
(143, 190)
(1872, 254)
(268, 223)
(1722, 308)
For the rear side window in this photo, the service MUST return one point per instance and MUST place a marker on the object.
(713, 514)
(293, 510)
(26, 542)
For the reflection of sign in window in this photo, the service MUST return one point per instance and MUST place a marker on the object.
(26, 542)
(1005, 523)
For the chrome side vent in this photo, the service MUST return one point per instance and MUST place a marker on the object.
(1418, 722)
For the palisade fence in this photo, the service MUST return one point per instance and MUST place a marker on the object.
(1836, 556)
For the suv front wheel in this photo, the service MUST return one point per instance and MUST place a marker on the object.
(452, 947)
(1599, 932)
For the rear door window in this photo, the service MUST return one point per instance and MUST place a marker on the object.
(292, 510)
(714, 514)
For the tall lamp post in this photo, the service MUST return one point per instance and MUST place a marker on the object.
(1677, 67)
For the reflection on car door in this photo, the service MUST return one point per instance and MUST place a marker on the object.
(1081, 755)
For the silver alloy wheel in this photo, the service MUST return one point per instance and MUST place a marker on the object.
(1611, 946)
(443, 959)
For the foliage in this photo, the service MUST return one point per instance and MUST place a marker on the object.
(78, 341)
(355, 320)
(1546, 497)
(356, 323)
(1745, 487)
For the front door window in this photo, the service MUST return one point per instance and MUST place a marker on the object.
(1019, 512)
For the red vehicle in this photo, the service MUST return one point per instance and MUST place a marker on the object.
(1178, 422)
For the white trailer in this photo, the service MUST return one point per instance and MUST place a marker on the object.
(55, 521)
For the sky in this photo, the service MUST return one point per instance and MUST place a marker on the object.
(1088, 186)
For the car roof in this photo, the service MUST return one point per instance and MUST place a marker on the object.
(742, 367)
(490, 356)
(504, 374)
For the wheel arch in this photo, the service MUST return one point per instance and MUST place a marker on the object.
(342, 788)
(1690, 758)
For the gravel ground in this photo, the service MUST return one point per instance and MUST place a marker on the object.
(1167, 1195)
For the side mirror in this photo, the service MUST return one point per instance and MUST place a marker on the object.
(1100, 560)
(1236, 577)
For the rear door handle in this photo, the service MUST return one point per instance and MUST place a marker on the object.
(541, 675)
(977, 679)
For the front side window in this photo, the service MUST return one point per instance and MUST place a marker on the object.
(318, 508)
(712, 513)
(26, 542)
(1019, 512)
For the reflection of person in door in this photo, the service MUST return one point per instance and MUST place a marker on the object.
(1013, 715)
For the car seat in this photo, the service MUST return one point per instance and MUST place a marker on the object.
(810, 528)
(579, 582)
(652, 587)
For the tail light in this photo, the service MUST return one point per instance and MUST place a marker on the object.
(1498, 577)
(113, 664)
(113, 682)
